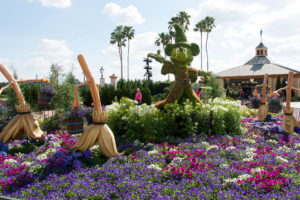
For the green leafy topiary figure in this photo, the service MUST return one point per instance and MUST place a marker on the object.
(181, 54)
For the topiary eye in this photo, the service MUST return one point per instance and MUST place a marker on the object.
(185, 50)
(177, 49)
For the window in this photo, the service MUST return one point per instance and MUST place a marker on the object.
(257, 52)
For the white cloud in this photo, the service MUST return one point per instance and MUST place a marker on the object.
(54, 3)
(6, 62)
(50, 52)
(128, 16)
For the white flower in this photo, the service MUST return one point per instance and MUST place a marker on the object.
(230, 148)
(285, 148)
(176, 160)
(19, 155)
(42, 156)
(240, 177)
(247, 159)
(206, 144)
(272, 141)
(36, 168)
(297, 145)
(10, 161)
(281, 159)
(56, 144)
(154, 166)
(225, 165)
(27, 163)
(251, 141)
(255, 170)
(95, 148)
(154, 152)
(212, 147)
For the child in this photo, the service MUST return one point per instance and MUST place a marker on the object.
(138, 96)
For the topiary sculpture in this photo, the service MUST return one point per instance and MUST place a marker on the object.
(181, 54)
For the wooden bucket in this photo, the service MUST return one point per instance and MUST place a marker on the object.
(75, 126)
(44, 100)
(274, 108)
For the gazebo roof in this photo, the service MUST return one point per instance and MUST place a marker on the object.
(257, 66)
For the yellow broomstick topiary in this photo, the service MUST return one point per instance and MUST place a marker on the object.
(289, 121)
(98, 130)
(263, 107)
(24, 122)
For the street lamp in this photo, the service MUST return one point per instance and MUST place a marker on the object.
(101, 71)
(102, 81)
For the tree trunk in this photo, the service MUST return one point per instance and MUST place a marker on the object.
(201, 48)
(121, 60)
(128, 61)
(206, 51)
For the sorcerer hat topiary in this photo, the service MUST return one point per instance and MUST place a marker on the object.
(181, 41)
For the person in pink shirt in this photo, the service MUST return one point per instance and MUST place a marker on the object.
(138, 96)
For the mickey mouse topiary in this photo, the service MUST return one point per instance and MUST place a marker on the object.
(181, 54)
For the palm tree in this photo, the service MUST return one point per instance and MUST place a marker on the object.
(200, 26)
(118, 37)
(163, 39)
(172, 35)
(209, 25)
(182, 18)
(129, 33)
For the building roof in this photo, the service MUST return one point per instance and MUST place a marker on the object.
(257, 66)
(261, 45)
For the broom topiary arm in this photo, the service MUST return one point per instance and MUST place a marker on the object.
(4, 88)
(293, 88)
(14, 83)
(35, 80)
(92, 85)
(279, 90)
(76, 103)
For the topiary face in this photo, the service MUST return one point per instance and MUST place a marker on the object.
(181, 56)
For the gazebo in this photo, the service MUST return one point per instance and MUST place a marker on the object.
(252, 72)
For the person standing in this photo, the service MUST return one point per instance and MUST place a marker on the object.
(198, 92)
(138, 96)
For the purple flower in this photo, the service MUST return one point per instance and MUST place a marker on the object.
(47, 90)
(77, 164)
(87, 154)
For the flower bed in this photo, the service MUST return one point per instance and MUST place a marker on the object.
(204, 167)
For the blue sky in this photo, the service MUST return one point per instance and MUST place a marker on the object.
(36, 33)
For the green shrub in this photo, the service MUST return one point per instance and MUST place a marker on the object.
(149, 124)
(54, 122)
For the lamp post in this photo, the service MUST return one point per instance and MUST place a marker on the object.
(102, 80)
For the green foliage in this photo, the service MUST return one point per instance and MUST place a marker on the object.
(149, 124)
(146, 95)
(12, 99)
(278, 83)
(86, 96)
(64, 96)
(212, 88)
(55, 122)
(31, 92)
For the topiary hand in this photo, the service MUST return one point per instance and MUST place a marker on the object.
(157, 57)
